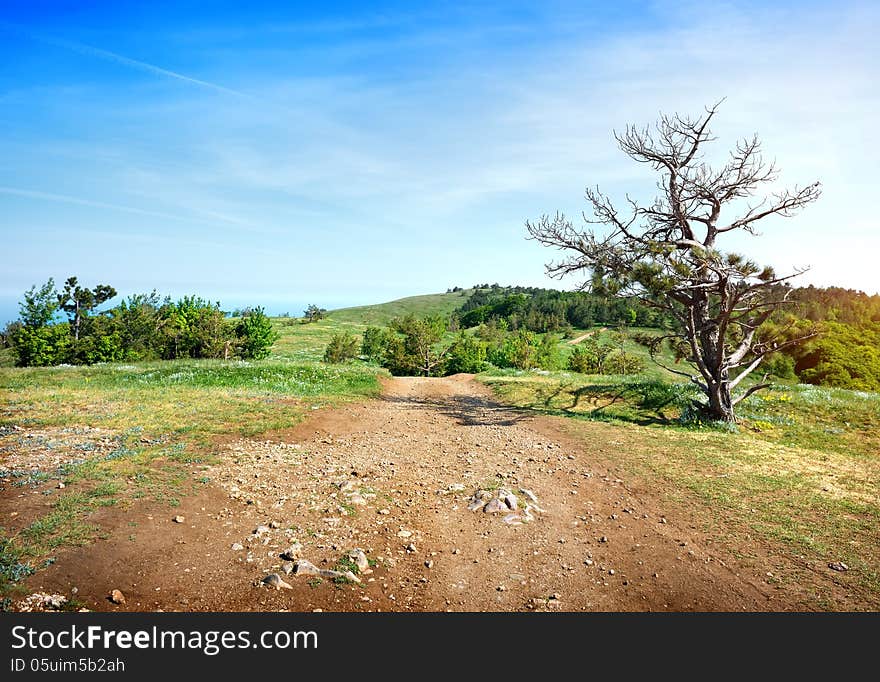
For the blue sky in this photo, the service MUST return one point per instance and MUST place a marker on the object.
(278, 154)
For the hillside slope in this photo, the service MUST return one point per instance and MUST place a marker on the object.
(307, 341)
(382, 313)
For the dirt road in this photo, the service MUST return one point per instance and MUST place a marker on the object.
(395, 477)
(584, 337)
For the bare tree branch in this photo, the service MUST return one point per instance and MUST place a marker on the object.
(720, 300)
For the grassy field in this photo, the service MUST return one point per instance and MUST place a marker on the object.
(306, 341)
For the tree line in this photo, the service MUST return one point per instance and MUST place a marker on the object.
(548, 310)
(419, 346)
(845, 352)
(141, 327)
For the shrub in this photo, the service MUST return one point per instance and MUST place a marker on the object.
(621, 362)
(255, 334)
(43, 346)
(781, 366)
(342, 347)
(420, 337)
(374, 344)
(100, 341)
(194, 328)
(589, 357)
(467, 354)
(138, 320)
(548, 355)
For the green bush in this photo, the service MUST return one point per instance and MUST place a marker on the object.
(548, 355)
(255, 334)
(589, 356)
(43, 346)
(138, 320)
(342, 347)
(518, 350)
(420, 355)
(621, 362)
(194, 328)
(781, 366)
(467, 354)
(100, 341)
(374, 344)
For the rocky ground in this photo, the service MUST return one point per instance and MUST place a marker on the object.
(431, 498)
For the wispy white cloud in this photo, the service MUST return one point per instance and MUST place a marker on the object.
(209, 217)
(116, 58)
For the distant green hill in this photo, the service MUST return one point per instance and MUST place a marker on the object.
(383, 313)
(307, 341)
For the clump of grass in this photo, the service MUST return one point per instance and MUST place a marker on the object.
(343, 565)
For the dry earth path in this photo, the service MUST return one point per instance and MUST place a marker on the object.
(395, 477)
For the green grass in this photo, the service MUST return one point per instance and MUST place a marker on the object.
(376, 315)
(7, 357)
(305, 341)
(187, 398)
(22, 553)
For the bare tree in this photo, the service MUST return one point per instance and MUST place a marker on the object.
(666, 253)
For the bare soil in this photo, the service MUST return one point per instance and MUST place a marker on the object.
(584, 337)
(394, 477)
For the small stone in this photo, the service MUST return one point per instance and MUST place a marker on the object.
(588, 562)
(511, 501)
(495, 506)
(838, 566)
(292, 553)
(662, 519)
(411, 548)
(178, 519)
(603, 539)
(261, 530)
(529, 494)
(429, 563)
(274, 524)
(287, 567)
(501, 588)
(237, 546)
(384, 512)
(349, 575)
(274, 580)
(513, 520)
(359, 558)
(476, 504)
(304, 567)
(60, 485)
(404, 534)
(117, 597)
(357, 499)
